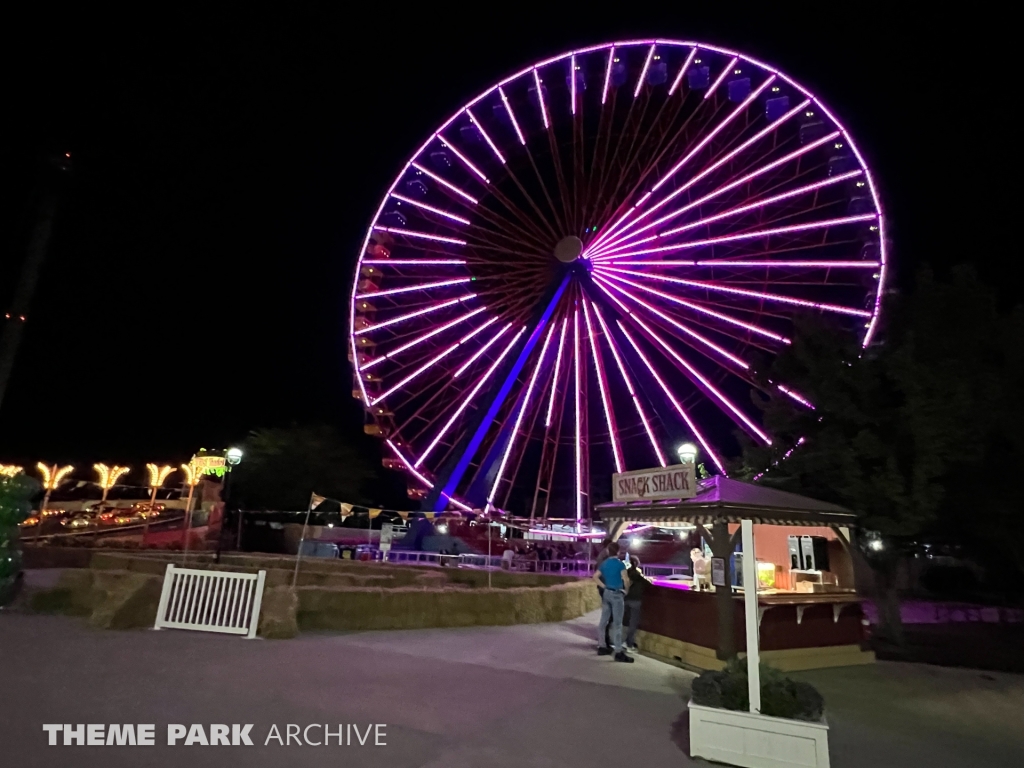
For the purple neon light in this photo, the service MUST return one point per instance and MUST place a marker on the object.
(411, 315)
(430, 208)
(718, 164)
(554, 376)
(603, 386)
(572, 80)
(579, 425)
(629, 387)
(466, 161)
(487, 138)
(436, 359)
(795, 263)
(411, 288)
(474, 392)
(682, 71)
(512, 116)
(446, 184)
(685, 329)
(721, 77)
(792, 228)
(540, 98)
(424, 337)
(519, 416)
(604, 276)
(807, 188)
(672, 399)
(408, 466)
(415, 262)
(799, 398)
(608, 74)
(481, 351)
(697, 375)
(420, 235)
(643, 74)
(744, 292)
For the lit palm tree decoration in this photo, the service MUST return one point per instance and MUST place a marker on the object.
(10, 470)
(193, 474)
(108, 476)
(52, 477)
(157, 476)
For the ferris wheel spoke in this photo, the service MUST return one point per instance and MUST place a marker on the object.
(446, 184)
(779, 298)
(581, 414)
(714, 166)
(418, 287)
(552, 430)
(538, 84)
(607, 74)
(533, 204)
(705, 444)
(721, 77)
(487, 137)
(512, 116)
(464, 402)
(606, 278)
(637, 405)
(513, 436)
(410, 315)
(602, 383)
(422, 338)
(643, 72)
(423, 206)
(682, 70)
(722, 353)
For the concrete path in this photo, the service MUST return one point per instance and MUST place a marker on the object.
(527, 696)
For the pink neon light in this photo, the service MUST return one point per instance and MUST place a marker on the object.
(722, 161)
(572, 80)
(512, 117)
(744, 292)
(799, 398)
(415, 262)
(481, 351)
(430, 208)
(468, 163)
(437, 358)
(424, 337)
(797, 264)
(690, 305)
(487, 138)
(407, 465)
(411, 315)
(554, 376)
(608, 74)
(519, 416)
(602, 385)
(629, 386)
(579, 425)
(738, 210)
(540, 98)
(643, 74)
(675, 403)
(824, 224)
(697, 375)
(682, 71)
(411, 288)
(473, 393)
(721, 77)
(446, 184)
(420, 235)
(685, 329)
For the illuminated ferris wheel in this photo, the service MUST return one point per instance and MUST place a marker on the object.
(571, 275)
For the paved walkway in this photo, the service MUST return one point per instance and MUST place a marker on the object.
(529, 696)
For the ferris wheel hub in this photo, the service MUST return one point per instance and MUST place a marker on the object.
(568, 249)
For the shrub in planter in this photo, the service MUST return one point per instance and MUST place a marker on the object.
(780, 696)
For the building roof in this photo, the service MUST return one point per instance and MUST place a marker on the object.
(720, 497)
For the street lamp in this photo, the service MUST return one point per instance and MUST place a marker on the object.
(234, 456)
(687, 453)
(108, 477)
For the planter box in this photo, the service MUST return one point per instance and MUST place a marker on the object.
(756, 741)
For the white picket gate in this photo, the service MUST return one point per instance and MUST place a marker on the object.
(211, 601)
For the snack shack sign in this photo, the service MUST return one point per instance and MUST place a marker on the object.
(676, 482)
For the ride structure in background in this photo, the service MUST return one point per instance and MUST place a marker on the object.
(574, 273)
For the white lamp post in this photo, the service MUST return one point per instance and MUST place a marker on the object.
(687, 453)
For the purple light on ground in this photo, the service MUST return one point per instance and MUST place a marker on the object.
(603, 386)
(672, 399)
(430, 208)
(475, 391)
(629, 386)
(601, 274)
(411, 315)
(445, 184)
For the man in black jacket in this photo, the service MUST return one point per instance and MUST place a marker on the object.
(637, 584)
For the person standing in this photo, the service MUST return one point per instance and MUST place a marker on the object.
(637, 584)
(612, 578)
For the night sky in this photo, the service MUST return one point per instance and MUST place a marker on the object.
(225, 171)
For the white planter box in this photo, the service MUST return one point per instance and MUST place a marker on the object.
(756, 741)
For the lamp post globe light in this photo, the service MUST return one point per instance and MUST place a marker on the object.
(687, 453)
(234, 456)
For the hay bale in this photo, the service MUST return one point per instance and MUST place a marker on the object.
(124, 600)
(278, 613)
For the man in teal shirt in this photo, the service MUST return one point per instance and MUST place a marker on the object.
(611, 577)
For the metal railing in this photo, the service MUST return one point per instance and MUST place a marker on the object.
(574, 567)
